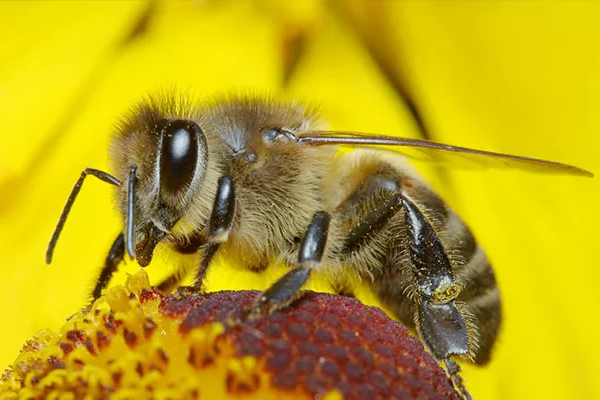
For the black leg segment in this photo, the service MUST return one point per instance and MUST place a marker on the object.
(113, 259)
(443, 328)
(287, 288)
(315, 238)
(219, 225)
(209, 253)
(103, 176)
(453, 371)
(440, 323)
(223, 211)
(371, 224)
(282, 291)
(431, 266)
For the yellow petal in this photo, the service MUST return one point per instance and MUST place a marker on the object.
(49, 52)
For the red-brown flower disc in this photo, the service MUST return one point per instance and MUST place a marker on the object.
(146, 345)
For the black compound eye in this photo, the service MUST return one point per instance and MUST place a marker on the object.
(179, 155)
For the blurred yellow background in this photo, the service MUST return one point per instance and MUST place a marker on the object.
(517, 77)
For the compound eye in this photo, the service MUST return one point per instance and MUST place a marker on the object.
(179, 155)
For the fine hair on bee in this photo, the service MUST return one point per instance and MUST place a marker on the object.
(255, 179)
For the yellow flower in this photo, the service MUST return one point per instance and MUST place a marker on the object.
(518, 77)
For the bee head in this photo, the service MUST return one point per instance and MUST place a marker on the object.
(162, 159)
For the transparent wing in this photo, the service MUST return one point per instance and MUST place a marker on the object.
(424, 150)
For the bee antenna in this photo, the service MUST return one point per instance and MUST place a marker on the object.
(103, 176)
(129, 245)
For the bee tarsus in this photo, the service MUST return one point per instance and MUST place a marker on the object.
(453, 372)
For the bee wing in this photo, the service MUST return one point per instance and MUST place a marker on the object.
(431, 151)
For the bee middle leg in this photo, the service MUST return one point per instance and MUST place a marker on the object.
(287, 288)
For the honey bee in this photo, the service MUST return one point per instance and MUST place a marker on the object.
(256, 180)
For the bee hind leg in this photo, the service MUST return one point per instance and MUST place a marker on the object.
(439, 321)
(384, 222)
(287, 288)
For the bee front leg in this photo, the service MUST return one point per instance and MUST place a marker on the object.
(439, 321)
(219, 226)
(190, 246)
(286, 289)
(217, 232)
(113, 259)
